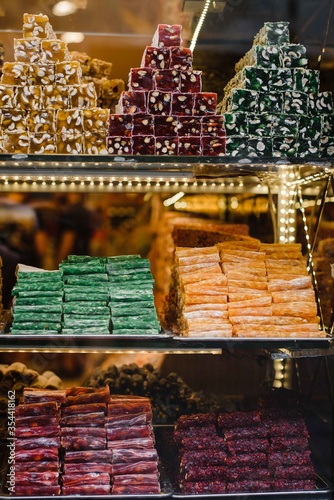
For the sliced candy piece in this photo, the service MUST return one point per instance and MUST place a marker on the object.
(255, 78)
(327, 125)
(273, 33)
(7, 96)
(16, 142)
(259, 146)
(56, 97)
(156, 58)
(243, 100)
(41, 121)
(261, 56)
(119, 145)
(14, 120)
(321, 103)
(41, 74)
(166, 80)
(181, 58)
(166, 125)
(236, 124)
(205, 103)
(213, 146)
(182, 103)
(69, 121)
(95, 120)
(285, 125)
(159, 103)
(42, 143)
(68, 73)
(327, 146)
(95, 143)
(166, 145)
(167, 35)
(236, 145)
(306, 80)
(270, 102)
(83, 95)
(14, 73)
(190, 126)
(143, 124)
(141, 79)
(191, 81)
(68, 143)
(308, 148)
(54, 51)
(213, 125)
(280, 80)
(285, 146)
(293, 56)
(120, 125)
(143, 145)
(27, 50)
(260, 125)
(131, 102)
(37, 25)
(28, 97)
(295, 103)
(190, 145)
(310, 127)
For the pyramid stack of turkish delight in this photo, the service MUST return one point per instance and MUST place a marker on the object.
(242, 289)
(273, 105)
(262, 450)
(45, 106)
(164, 111)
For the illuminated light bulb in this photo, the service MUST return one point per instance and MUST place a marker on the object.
(72, 37)
(64, 8)
(199, 25)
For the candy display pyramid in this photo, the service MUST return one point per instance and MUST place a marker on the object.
(273, 105)
(164, 111)
(45, 107)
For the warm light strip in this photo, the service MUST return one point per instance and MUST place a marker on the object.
(86, 350)
(199, 25)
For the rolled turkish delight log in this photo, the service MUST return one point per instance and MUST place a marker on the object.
(41, 431)
(37, 466)
(37, 455)
(238, 419)
(86, 395)
(203, 458)
(36, 409)
(77, 443)
(249, 485)
(198, 443)
(87, 456)
(136, 489)
(86, 489)
(202, 487)
(294, 485)
(256, 431)
(289, 458)
(42, 478)
(192, 472)
(137, 479)
(37, 421)
(82, 468)
(136, 444)
(257, 459)
(248, 445)
(246, 472)
(99, 432)
(85, 478)
(197, 420)
(294, 472)
(83, 420)
(139, 467)
(133, 455)
(36, 490)
(194, 432)
(133, 432)
(128, 420)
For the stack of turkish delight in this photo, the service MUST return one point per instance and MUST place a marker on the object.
(38, 303)
(130, 438)
(45, 106)
(273, 105)
(201, 456)
(289, 456)
(247, 447)
(164, 111)
(86, 295)
(131, 302)
(86, 462)
(37, 443)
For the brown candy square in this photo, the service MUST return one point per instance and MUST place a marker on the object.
(69, 144)
(39, 121)
(14, 73)
(28, 97)
(27, 50)
(83, 96)
(95, 143)
(68, 73)
(56, 97)
(54, 51)
(43, 143)
(69, 121)
(17, 142)
(7, 96)
(41, 74)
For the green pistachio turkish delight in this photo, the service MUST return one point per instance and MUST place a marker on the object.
(134, 322)
(273, 33)
(86, 330)
(310, 127)
(293, 56)
(236, 145)
(280, 80)
(89, 296)
(285, 125)
(85, 320)
(86, 308)
(38, 308)
(46, 317)
(38, 286)
(39, 275)
(261, 56)
(327, 125)
(309, 148)
(270, 102)
(136, 331)
(243, 100)
(321, 103)
(86, 279)
(236, 124)
(259, 146)
(327, 146)
(131, 311)
(36, 325)
(285, 147)
(260, 125)
(28, 300)
(296, 103)
(130, 295)
(306, 80)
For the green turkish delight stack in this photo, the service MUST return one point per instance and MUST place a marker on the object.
(279, 99)
(37, 308)
(131, 304)
(86, 296)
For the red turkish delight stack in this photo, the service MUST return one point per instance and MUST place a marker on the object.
(37, 443)
(166, 85)
(87, 460)
(130, 438)
(201, 455)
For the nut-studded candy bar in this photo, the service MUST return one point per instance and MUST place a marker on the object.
(14, 120)
(7, 96)
(280, 80)
(166, 125)
(83, 95)
(327, 146)
(95, 119)
(167, 35)
(143, 145)
(167, 80)
(321, 103)
(255, 78)
(236, 145)
(120, 125)
(69, 143)
(205, 103)
(327, 125)
(213, 146)
(285, 125)
(132, 102)
(54, 51)
(191, 81)
(143, 124)
(141, 79)
(68, 73)
(295, 103)
(166, 146)
(28, 97)
(56, 97)
(308, 148)
(244, 100)
(261, 56)
(306, 80)
(181, 58)
(213, 125)
(37, 25)
(14, 73)
(16, 142)
(41, 74)
(159, 103)
(42, 143)
(284, 146)
(273, 33)
(182, 103)
(27, 50)
(259, 146)
(119, 145)
(310, 126)
(236, 124)
(260, 125)
(293, 56)
(190, 145)
(69, 121)
(270, 102)
(156, 58)
(189, 126)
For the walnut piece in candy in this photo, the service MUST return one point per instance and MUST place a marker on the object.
(120, 125)
(54, 51)
(119, 145)
(190, 146)
(159, 103)
(42, 143)
(191, 81)
(167, 80)
(166, 146)
(68, 73)
(140, 79)
(156, 58)
(183, 103)
(143, 145)
(14, 73)
(167, 35)
(131, 102)
(181, 58)
(143, 124)
(27, 50)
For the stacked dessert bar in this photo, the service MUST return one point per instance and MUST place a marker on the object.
(273, 105)
(164, 111)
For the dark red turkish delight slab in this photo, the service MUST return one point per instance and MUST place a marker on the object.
(125, 479)
(205, 103)
(166, 145)
(143, 145)
(36, 490)
(84, 420)
(85, 478)
(191, 146)
(35, 466)
(87, 395)
(140, 467)
(181, 58)
(136, 431)
(36, 442)
(202, 443)
(213, 125)
(245, 472)
(34, 409)
(248, 486)
(42, 431)
(120, 125)
(247, 446)
(119, 145)
(295, 485)
(131, 102)
(191, 81)
(83, 431)
(143, 124)
(247, 459)
(87, 489)
(294, 472)
(289, 458)
(198, 487)
(238, 419)
(287, 427)
(196, 433)
(213, 146)
(137, 444)
(166, 125)
(37, 421)
(77, 443)
(192, 472)
(257, 431)
(88, 456)
(189, 126)
(166, 80)
(85, 408)
(281, 443)
(37, 454)
(129, 455)
(197, 420)
(167, 35)
(159, 103)
(141, 79)
(82, 468)
(156, 58)
(127, 420)
(204, 457)
(136, 489)
(182, 103)
(42, 478)
(32, 395)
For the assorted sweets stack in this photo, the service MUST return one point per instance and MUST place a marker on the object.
(257, 290)
(38, 303)
(164, 111)
(273, 105)
(37, 443)
(131, 299)
(86, 296)
(86, 458)
(262, 450)
(45, 106)
(130, 437)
